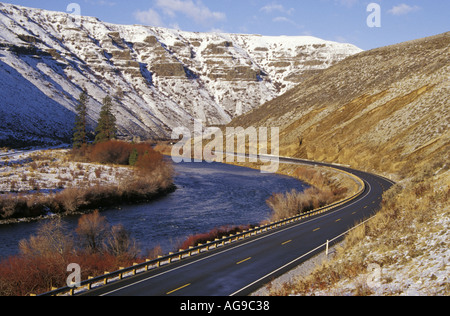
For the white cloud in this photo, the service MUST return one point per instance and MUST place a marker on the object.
(283, 19)
(149, 17)
(403, 9)
(196, 11)
(276, 8)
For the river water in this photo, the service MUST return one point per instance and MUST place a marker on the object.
(207, 196)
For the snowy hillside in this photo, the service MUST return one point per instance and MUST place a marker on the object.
(159, 78)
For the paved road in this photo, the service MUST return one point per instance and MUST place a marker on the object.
(243, 267)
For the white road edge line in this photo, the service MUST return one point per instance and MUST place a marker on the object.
(302, 256)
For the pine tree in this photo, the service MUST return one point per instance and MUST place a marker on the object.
(106, 128)
(133, 157)
(80, 129)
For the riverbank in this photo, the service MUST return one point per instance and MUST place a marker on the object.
(40, 184)
(208, 196)
(326, 185)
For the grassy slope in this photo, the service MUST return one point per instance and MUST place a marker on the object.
(377, 110)
(384, 111)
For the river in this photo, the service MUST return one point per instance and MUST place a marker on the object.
(207, 196)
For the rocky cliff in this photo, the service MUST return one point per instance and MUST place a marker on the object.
(159, 78)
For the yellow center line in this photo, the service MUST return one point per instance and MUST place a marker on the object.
(286, 242)
(168, 293)
(316, 229)
(244, 260)
(338, 220)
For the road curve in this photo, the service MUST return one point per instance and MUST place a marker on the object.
(241, 268)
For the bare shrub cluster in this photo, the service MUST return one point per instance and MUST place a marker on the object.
(150, 177)
(197, 239)
(120, 153)
(285, 205)
(324, 191)
(42, 264)
(140, 188)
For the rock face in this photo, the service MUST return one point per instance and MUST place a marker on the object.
(159, 78)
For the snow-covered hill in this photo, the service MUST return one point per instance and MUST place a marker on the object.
(159, 78)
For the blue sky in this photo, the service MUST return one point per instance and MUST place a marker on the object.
(336, 20)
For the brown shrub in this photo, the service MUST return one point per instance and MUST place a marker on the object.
(7, 206)
(95, 264)
(91, 231)
(154, 253)
(120, 244)
(70, 199)
(111, 152)
(149, 160)
(25, 275)
(118, 152)
(52, 239)
(295, 203)
(44, 257)
(14, 206)
(195, 240)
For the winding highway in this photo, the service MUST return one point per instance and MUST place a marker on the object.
(240, 268)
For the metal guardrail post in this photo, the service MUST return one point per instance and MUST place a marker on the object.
(158, 263)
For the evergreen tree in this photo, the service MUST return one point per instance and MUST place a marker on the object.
(133, 157)
(106, 128)
(80, 129)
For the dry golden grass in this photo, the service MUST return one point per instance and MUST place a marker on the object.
(408, 212)
(390, 117)
(375, 116)
(327, 186)
(295, 203)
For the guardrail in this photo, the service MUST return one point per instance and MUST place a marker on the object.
(109, 277)
(325, 245)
